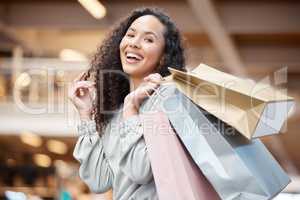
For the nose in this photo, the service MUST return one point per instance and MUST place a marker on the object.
(135, 43)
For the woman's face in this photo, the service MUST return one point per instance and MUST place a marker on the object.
(142, 46)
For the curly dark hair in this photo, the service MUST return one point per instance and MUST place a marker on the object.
(113, 86)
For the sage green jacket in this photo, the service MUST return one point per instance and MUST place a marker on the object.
(118, 159)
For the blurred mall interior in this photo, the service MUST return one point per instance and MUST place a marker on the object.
(45, 44)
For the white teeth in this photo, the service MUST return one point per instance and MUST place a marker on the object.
(138, 57)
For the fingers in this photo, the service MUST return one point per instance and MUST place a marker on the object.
(80, 87)
(155, 78)
(79, 84)
(153, 81)
(147, 89)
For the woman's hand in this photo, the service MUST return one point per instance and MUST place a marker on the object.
(133, 100)
(81, 95)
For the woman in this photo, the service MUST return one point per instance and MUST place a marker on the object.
(128, 67)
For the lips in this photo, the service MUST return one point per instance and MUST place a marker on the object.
(132, 57)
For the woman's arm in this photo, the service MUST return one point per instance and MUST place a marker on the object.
(134, 160)
(94, 167)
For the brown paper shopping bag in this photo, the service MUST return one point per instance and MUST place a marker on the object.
(176, 175)
(254, 109)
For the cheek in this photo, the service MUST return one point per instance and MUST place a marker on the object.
(123, 43)
(154, 53)
(121, 46)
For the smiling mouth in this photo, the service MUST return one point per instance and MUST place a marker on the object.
(133, 58)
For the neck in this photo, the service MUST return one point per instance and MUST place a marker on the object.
(135, 82)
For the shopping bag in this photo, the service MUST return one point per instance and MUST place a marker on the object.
(176, 175)
(254, 109)
(236, 167)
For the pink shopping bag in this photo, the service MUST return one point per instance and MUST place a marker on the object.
(176, 175)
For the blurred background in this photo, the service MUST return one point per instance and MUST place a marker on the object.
(44, 44)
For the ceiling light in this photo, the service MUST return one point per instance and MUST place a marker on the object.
(71, 55)
(94, 7)
(31, 139)
(42, 160)
(23, 80)
(57, 147)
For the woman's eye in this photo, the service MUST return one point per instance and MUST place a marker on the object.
(130, 35)
(149, 40)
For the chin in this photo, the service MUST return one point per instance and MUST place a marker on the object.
(132, 70)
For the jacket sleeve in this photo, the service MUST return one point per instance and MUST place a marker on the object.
(134, 160)
(94, 168)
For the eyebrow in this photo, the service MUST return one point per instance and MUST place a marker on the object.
(147, 32)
